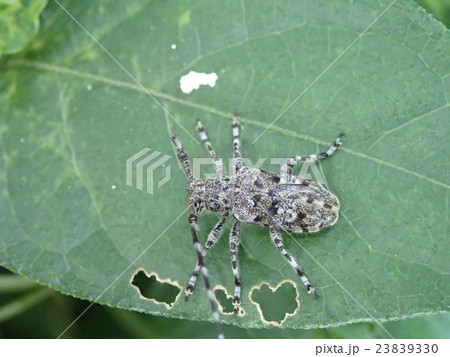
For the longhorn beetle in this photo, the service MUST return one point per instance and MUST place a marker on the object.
(279, 201)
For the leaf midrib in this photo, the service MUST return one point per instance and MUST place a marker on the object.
(121, 84)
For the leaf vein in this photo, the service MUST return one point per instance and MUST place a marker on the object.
(122, 84)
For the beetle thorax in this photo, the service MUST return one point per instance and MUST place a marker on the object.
(213, 195)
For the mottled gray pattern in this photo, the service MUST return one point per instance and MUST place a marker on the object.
(298, 206)
(280, 201)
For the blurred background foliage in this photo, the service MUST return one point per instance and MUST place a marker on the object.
(439, 9)
(28, 310)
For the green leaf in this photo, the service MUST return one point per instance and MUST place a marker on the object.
(70, 117)
(19, 22)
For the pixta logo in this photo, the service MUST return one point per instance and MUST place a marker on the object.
(141, 167)
(308, 170)
(143, 172)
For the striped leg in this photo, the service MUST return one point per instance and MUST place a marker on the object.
(220, 169)
(182, 157)
(213, 237)
(237, 161)
(278, 241)
(288, 166)
(204, 272)
(234, 246)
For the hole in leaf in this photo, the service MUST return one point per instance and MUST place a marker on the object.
(225, 302)
(275, 304)
(153, 288)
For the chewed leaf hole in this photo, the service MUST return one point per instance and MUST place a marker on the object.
(225, 302)
(275, 304)
(152, 288)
